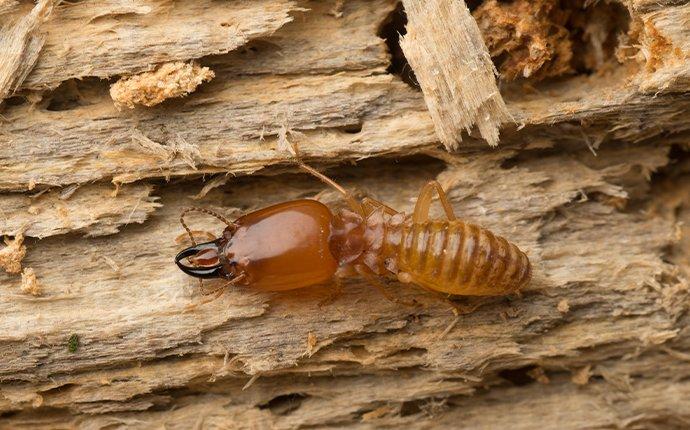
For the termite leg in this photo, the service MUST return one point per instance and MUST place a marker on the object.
(333, 293)
(216, 293)
(370, 205)
(456, 308)
(421, 208)
(366, 274)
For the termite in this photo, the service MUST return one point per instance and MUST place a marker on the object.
(302, 243)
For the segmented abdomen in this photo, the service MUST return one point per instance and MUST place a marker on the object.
(457, 258)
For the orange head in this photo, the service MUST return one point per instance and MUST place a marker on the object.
(277, 248)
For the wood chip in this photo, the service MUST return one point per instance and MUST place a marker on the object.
(12, 254)
(168, 81)
(447, 53)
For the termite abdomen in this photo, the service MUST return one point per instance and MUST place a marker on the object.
(457, 258)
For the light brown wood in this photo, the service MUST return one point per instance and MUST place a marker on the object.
(452, 65)
(592, 182)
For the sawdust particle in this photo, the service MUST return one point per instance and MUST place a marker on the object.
(581, 377)
(37, 401)
(377, 413)
(30, 284)
(169, 80)
(110, 262)
(11, 256)
(311, 343)
(563, 306)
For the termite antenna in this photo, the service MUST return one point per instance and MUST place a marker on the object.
(351, 201)
(220, 217)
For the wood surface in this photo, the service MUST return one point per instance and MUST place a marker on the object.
(591, 178)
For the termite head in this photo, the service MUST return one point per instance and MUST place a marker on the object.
(202, 261)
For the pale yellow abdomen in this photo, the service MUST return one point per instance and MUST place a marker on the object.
(456, 258)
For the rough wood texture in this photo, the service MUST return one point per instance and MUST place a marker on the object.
(20, 44)
(88, 37)
(446, 50)
(94, 210)
(592, 183)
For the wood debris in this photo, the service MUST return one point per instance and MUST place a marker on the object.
(30, 284)
(168, 81)
(581, 377)
(563, 306)
(21, 41)
(447, 53)
(12, 254)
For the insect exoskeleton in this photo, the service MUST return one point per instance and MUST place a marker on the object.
(302, 243)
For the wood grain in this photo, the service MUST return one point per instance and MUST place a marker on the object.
(591, 181)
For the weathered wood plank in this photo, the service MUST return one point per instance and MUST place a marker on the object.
(619, 290)
(604, 323)
(85, 39)
(94, 210)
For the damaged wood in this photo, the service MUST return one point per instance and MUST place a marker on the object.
(85, 39)
(450, 60)
(98, 328)
(21, 41)
(335, 95)
(240, 332)
(91, 210)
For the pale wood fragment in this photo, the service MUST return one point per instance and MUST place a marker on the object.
(12, 254)
(30, 284)
(452, 64)
(168, 81)
(21, 41)
(666, 48)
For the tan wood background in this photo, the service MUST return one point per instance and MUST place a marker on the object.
(590, 178)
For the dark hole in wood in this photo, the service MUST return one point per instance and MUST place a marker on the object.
(284, 404)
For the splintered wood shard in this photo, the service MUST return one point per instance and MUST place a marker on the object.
(20, 44)
(447, 53)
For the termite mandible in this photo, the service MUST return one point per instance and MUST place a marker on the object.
(301, 243)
